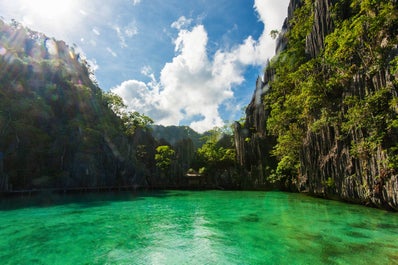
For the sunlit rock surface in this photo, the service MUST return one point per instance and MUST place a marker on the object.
(328, 167)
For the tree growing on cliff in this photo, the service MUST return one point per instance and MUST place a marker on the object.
(217, 155)
(293, 95)
(131, 120)
(164, 157)
(347, 86)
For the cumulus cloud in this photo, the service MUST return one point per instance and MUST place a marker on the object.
(192, 86)
(189, 86)
(256, 52)
(138, 96)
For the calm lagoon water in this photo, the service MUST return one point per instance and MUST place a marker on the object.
(203, 227)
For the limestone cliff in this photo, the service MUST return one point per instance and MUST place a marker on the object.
(253, 143)
(330, 165)
(56, 129)
(344, 125)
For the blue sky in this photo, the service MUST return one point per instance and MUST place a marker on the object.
(181, 62)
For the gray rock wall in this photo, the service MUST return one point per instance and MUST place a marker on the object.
(253, 143)
(322, 26)
(327, 166)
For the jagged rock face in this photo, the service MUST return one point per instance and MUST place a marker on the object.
(281, 41)
(56, 130)
(253, 144)
(328, 167)
(323, 25)
(293, 5)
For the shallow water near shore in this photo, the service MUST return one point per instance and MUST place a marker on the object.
(200, 227)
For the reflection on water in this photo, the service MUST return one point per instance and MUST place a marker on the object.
(209, 227)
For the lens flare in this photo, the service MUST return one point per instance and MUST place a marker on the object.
(3, 51)
(51, 46)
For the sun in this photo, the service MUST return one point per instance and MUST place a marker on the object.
(50, 10)
(56, 18)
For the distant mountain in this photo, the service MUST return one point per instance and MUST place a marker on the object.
(174, 134)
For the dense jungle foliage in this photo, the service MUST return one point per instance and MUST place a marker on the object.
(344, 86)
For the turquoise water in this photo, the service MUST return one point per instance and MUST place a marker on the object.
(204, 227)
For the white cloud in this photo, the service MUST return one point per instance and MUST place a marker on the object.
(271, 12)
(114, 54)
(138, 96)
(93, 64)
(182, 22)
(192, 87)
(126, 32)
(256, 52)
(121, 37)
(189, 86)
(146, 70)
(130, 31)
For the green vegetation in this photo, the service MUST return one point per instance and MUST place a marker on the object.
(217, 154)
(57, 127)
(294, 96)
(164, 157)
(344, 87)
(131, 120)
(60, 130)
